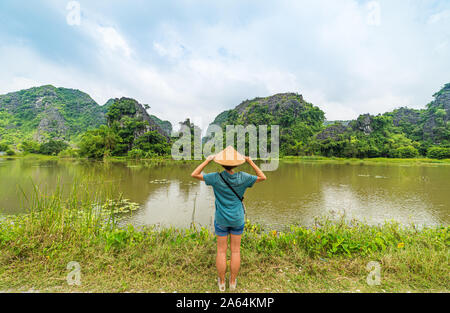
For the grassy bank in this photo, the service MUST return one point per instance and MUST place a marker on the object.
(416, 161)
(330, 257)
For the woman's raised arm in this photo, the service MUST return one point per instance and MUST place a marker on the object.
(197, 173)
(259, 173)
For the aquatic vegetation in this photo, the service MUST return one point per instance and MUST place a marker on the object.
(120, 206)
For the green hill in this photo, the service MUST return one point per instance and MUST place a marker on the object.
(47, 112)
(129, 131)
(403, 132)
(52, 115)
(298, 119)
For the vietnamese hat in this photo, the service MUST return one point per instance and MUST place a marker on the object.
(229, 157)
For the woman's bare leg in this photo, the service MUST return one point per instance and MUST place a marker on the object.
(221, 257)
(235, 257)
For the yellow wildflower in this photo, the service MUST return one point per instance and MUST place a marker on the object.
(401, 245)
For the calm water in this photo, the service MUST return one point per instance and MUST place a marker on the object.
(295, 193)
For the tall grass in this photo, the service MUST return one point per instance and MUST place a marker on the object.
(61, 217)
(83, 225)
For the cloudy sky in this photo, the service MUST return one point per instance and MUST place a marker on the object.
(196, 58)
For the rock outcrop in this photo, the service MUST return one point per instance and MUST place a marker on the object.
(332, 132)
(122, 108)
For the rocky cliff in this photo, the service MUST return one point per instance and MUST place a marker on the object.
(127, 110)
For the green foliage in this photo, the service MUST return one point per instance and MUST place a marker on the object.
(153, 141)
(69, 153)
(406, 152)
(370, 137)
(52, 147)
(136, 154)
(100, 142)
(439, 153)
(117, 239)
(125, 134)
(120, 108)
(30, 146)
(333, 239)
(3, 147)
(10, 152)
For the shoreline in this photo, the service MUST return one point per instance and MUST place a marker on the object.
(417, 161)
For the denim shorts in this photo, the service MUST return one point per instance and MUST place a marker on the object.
(223, 231)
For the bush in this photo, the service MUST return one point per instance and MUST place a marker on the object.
(101, 142)
(439, 153)
(69, 153)
(136, 154)
(154, 142)
(4, 147)
(52, 147)
(29, 146)
(151, 155)
(10, 152)
(406, 152)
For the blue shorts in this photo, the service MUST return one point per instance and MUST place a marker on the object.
(223, 231)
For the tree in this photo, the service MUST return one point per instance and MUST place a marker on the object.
(99, 142)
(406, 152)
(3, 147)
(52, 147)
(439, 153)
(29, 146)
(152, 141)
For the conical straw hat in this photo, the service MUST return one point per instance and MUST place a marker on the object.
(229, 157)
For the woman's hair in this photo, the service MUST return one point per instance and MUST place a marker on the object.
(228, 168)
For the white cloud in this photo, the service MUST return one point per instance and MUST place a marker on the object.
(112, 40)
(197, 66)
(33, 70)
(438, 17)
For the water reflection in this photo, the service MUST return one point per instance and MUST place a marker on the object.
(165, 208)
(296, 193)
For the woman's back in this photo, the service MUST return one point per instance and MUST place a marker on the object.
(229, 210)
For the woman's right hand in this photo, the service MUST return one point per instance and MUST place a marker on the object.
(259, 173)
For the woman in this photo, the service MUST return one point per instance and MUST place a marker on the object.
(229, 188)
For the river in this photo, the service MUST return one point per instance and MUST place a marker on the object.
(296, 193)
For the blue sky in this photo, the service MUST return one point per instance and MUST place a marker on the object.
(196, 58)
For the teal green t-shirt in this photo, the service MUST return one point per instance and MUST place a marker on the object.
(229, 210)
